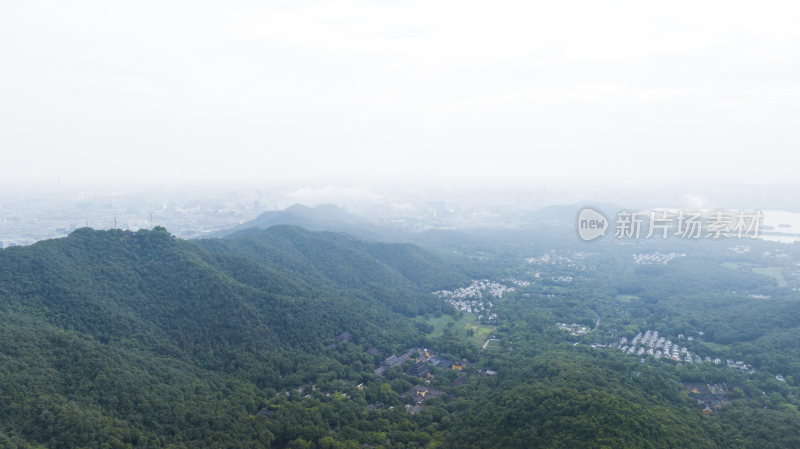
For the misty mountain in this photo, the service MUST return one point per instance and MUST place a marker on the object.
(531, 229)
(324, 217)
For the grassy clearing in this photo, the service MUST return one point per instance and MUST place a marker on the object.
(773, 272)
(459, 325)
(718, 348)
(494, 345)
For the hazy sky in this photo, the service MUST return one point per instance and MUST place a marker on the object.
(263, 90)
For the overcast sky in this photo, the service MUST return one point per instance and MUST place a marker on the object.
(156, 91)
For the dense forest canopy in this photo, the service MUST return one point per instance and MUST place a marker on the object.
(283, 337)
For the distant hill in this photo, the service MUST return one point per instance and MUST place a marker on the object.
(531, 228)
(325, 217)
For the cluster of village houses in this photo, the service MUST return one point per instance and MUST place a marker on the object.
(471, 299)
(566, 279)
(553, 258)
(573, 329)
(651, 344)
(423, 360)
(478, 289)
(420, 394)
(655, 258)
(711, 397)
(563, 278)
(519, 283)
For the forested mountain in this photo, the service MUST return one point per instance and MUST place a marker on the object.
(107, 334)
(320, 255)
(287, 338)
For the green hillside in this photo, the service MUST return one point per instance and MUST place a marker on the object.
(271, 339)
(115, 330)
